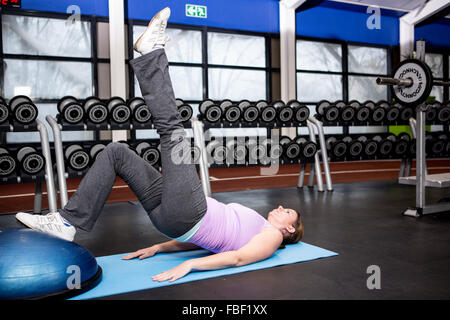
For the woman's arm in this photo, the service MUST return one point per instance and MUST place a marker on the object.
(260, 247)
(169, 246)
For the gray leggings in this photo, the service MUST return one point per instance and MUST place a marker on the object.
(174, 201)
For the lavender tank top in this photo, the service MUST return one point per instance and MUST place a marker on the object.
(227, 227)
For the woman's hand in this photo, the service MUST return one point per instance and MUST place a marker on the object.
(175, 273)
(142, 254)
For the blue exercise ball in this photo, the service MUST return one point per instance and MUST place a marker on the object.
(36, 265)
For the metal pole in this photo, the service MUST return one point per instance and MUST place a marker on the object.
(59, 160)
(301, 177)
(420, 158)
(323, 150)
(199, 141)
(51, 194)
(38, 197)
(316, 157)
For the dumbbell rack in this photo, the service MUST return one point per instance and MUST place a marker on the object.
(200, 126)
(422, 179)
(38, 126)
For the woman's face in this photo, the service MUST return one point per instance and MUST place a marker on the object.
(282, 217)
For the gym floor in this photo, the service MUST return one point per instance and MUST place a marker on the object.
(361, 221)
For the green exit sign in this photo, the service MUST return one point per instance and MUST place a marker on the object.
(196, 11)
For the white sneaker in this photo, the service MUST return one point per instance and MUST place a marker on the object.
(51, 223)
(154, 35)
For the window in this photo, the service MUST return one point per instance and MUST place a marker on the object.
(436, 63)
(46, 59)
(338, 71)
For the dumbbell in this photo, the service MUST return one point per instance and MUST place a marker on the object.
(216, 151)
(237, 151)
(336, 147)
(370, 147)
(392, 110)
(139, 110)
(378, 112)
(148, 152)
(267, 112)
(230, 111)
(95, 110)
(118, 110)
(355, 147)
(4, 111)
(385, 145)
(301, 111)
(8, 164)
(250, 112)
(401, 145)
(284, 113)
(436, 144)
(76, 157)
(31, 161)
(255, 150)
(210, 111)
(95, 150)
(346, 111)
(443, 116)
(406, 112)
(362, 112)
(291, 149)
(185, 111)
(23, 110)
(327, 112)
(308, 149)
(70, 110)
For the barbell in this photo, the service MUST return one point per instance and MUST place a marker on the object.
(412, 82)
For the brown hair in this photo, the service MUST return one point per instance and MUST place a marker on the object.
(297, 235)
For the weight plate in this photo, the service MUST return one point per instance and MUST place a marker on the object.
(444, 115)
(347, 113)
(213, 113)
(363, 114)
(371, 148)
(225, 104)
(79, 160)
(185, 112)
(142, 113)
(278, 104)
(301, 113)
(261, 104)
(73, 113)
(339, 149)
(422, 79)
(4, 113)
(244, 104)
(285, 114)
(268, 114)
(356, 148)
(251, 113)
(331, 113)
(309, 150)
(232, 113)
(392, 114)
(7, 165)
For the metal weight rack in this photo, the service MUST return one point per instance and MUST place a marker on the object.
(199, 140)
(37, 125)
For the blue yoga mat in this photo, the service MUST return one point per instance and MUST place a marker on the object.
(121, 276)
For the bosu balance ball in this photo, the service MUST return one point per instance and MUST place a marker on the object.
(34, 265)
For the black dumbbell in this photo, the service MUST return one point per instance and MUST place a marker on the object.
(216, 151)
(401, 145)
(443, 116)
(436, 144)
(362, 112)
(406, 112)
(268, 113)
(32, 162)
(237, 151)
(95, 110)
(186, 112)
(385, 145)
(76, 157)
(308, 149)
(432, 112)
(119, 112)
(355, 147)
(95, 151)
(139, 110)
(370, 147)
(4, 111)
(23, 110)
(149, 153)
(70, 110)
(291, 149)
(250, 112)
(284, 113)
(336, 147)
(378, 113)
(8, 164)
(230, 111)
(347, 112)
(392, 110)
(301, 111)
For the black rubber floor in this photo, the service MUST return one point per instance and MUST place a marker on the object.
(362, 222)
